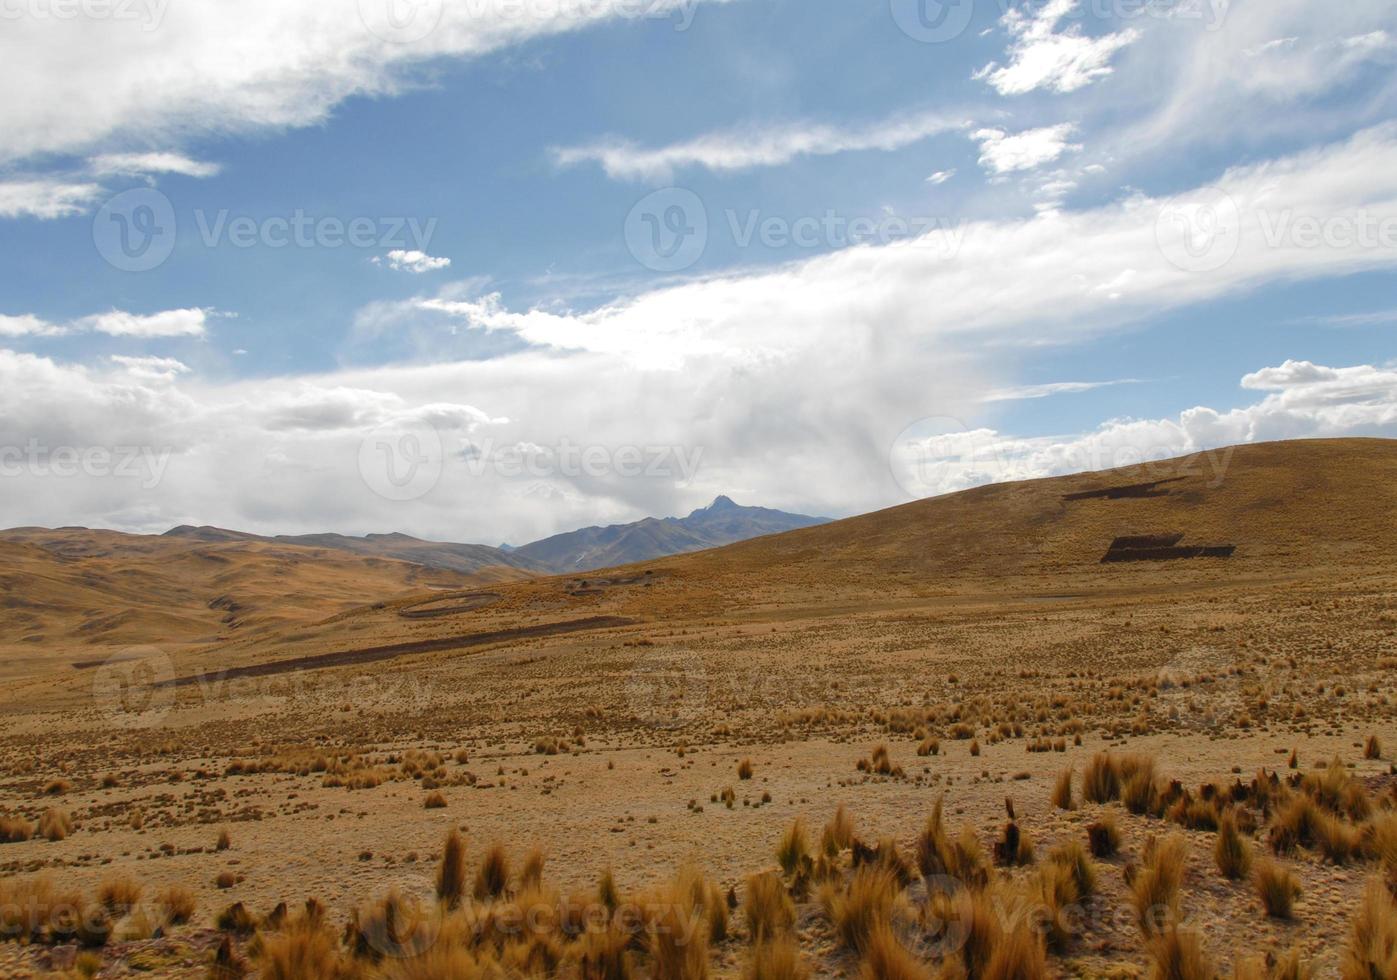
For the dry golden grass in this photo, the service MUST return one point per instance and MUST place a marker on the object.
(1062, 791)
(177, 904)
(1232, 852)
(885, 958)
(1372, 947)
(451, 873)
(768, 908)
(1277, 887)
(1104, 836)
(1155, 890)
(15, 830)
(869, 899)
(1178, 954)
(119, 895)
(492, 877)
(793, 849)
(779, 960)
(1289, 966)
(55, 825)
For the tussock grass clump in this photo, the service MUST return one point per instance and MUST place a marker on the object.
(839, 832)
(779, 960)
(1372, 947)
(1178, 954)
(1232, 851)
(769, 909)
(601, 954)
(1290, 966)
(394, 927)
(492, 877)
(531, 876)
(55, 825)
(177, 904)
(1372, 749)
(794, 849)
(885, 958)
(451, 873)
(36, 910)
(1104, 836)
(119, 895)
(1140, 790)
(744, 769)
(237, 920)
(15, 830)
(300, 951)
(870, 899)
(676, 939)
(1019, 953)
(434, 801)
(1101, 779)
(1072, 857)
(1155, 890)
(1062, 791)
(224, 841)
(1277, 888)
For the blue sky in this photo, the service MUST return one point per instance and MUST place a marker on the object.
(1081, 240)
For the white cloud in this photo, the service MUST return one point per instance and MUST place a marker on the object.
(140, 164)
(414, 261)
(72, 82)
(1043, 57)
(940, 177)
(168, 323)
(1002, 152)
(1028, 392)
(45, 198)
(151, 368)
(27, 325)
(755, 146)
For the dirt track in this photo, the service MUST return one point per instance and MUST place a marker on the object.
(368, 655)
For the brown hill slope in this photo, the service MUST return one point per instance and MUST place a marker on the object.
(76, 594)
(1280, 513)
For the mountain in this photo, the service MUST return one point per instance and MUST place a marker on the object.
(468, 559)
(721, 523)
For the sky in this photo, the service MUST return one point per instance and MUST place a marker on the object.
(486, 270)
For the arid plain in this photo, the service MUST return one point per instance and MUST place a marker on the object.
(1119, 724)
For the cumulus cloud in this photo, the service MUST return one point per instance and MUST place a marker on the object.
(141, 164)
(752, 147)
(1041, 56)
(151, 368)
(45, 198)
(411, 260)
(167, 323)
(1002, 152)
(253, 65)
(113, 323)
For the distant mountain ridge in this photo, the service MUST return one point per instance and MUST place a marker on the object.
(721, 523)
